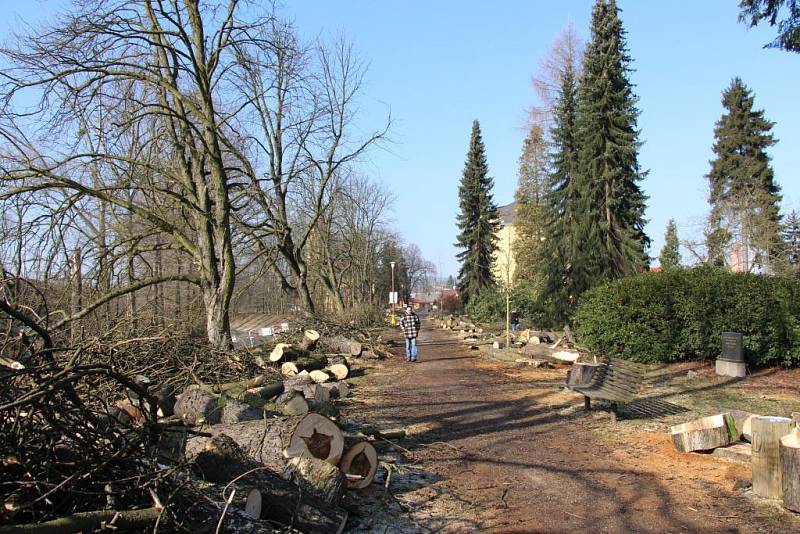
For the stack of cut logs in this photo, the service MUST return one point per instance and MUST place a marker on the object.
(272, 443)
(775, 456)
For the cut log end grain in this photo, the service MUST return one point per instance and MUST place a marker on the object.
(286, 352)
(294, 404)
(790, 469)
(316, 436)
(339, 370)
(319, 377)
(359, 463)
(704, 434)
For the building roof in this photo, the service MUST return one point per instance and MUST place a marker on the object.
(507, 214)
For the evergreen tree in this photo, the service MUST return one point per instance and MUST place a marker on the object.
(791, 242)
(785, 14)
(529, 211)
(478, 221)
(670, 256)
(743, 194)
(559, 255)
(611, 220)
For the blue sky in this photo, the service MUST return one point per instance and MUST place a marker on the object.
(436, 66)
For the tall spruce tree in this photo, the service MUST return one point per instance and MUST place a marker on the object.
(559, 256)
(611, 219)
(791, 242)
(670, 257)
(743, 194)
(529, 217)
(478, 221)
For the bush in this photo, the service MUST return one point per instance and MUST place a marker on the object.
(490, 305)
(680, 314)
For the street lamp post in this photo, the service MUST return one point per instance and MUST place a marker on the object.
(391, 297)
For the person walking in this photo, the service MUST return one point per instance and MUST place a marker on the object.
(515, 321)
(409, 324)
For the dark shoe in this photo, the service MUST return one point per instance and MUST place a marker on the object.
(413, 360)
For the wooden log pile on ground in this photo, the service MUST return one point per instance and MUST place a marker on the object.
(773, 451)
(269, 439)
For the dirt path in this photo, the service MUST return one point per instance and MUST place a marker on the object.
(494, 448)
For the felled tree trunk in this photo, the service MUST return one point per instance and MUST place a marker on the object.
(705, 434)
(198, 407)
(309, 341)
(789, 453)
(272, 442)
(272, 498)
(359, 463)
(265, 495)
(317, 477)
(767, 432)
(344, 345)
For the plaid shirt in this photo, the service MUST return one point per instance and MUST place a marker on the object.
(409, 324)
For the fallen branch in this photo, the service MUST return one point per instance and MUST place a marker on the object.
(89, 521)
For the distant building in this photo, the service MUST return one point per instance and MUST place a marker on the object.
(504, 264)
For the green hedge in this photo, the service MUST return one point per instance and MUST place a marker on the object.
(490, 305)
(680, 314)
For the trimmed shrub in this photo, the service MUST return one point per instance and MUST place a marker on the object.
(680, 314)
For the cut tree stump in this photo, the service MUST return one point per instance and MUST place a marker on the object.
(767, 432)
(789, 454)
(705, 434)
(317, 477)
(309, 341)
(286, 352)
(359, 463)
(339, 370)
(197, 406)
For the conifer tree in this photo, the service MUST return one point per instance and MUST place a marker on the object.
(611, 219)
(477, 221)
(743, 194)
(529, 211)
(791, 242)
(670, 257)
(560, 262)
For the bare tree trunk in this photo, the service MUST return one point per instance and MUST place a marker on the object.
(77, 288)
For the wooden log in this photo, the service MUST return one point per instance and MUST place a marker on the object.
(271, 498)
(339, 370)
(337, 358)
(767, 432)
(344, 345)
(197, 407)
(580, 374)
(317, 477)
(789, 455)
(320, 377)
(278, 499)
(236, 412)
(286, 352)
(337, 390)
(265, 392)
(317, 394)
(309, 363)
(272, 442)
(293, 402)
(359, 462)
(309, 341)
(704, 434)
(123, 520)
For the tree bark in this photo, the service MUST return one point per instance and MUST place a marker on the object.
(317, 477)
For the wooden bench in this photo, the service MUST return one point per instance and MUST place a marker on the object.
(616, 381)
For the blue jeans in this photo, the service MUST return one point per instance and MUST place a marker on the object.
(411, 348)
(514, 327)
